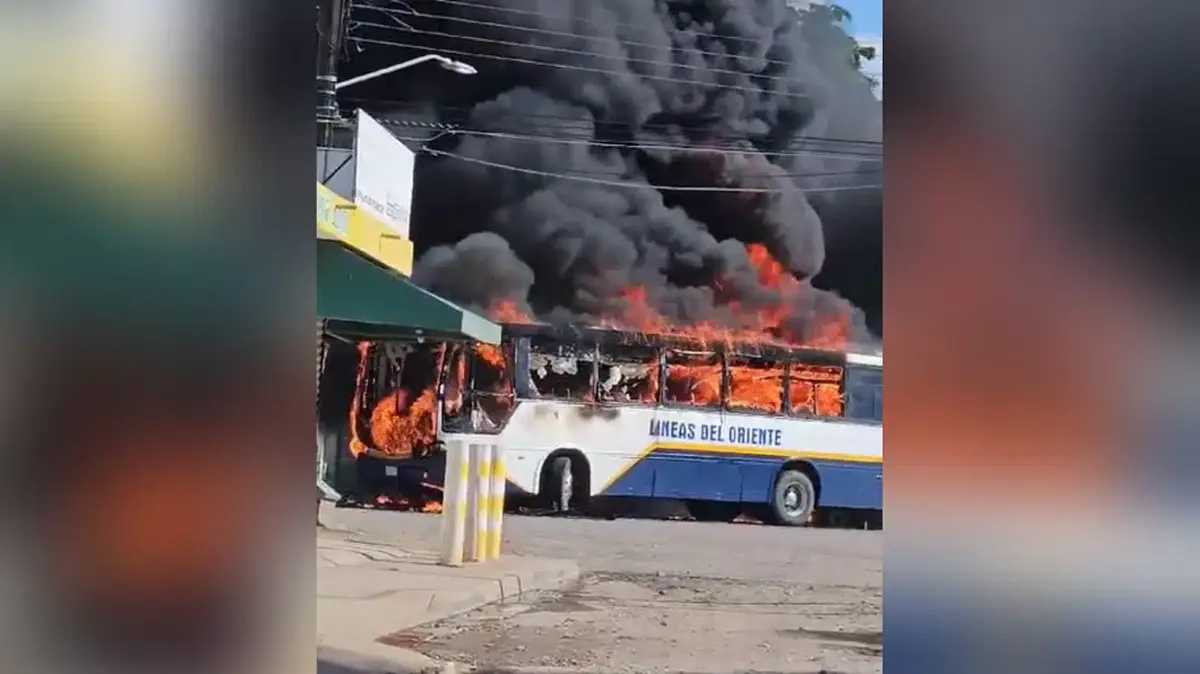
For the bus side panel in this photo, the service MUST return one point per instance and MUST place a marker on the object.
(679, 474)
(686, 475)
(850, 485)
(758, 478)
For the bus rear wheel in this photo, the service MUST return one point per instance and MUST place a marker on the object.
(714, 511)
(560, 484)
(794, 498)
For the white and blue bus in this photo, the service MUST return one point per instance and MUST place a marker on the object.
(771, 432)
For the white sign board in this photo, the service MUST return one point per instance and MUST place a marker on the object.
(383, 175)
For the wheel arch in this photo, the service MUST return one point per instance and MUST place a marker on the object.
(809, 470)
(581, 469)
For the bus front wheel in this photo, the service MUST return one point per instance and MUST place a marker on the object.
(794, 498)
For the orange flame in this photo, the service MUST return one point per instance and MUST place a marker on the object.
(397, 503)
(508, 312)
(398, 426)
(357, 446)
(756, 388)
(456, 383)
(759, 325)
(813, 390)
(490, 355)
(399, 423)
(498, 399)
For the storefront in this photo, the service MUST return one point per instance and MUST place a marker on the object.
(363, 290)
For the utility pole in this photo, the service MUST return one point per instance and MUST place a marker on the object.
(330, 31)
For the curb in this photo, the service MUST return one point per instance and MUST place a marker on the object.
(331, 660)
(510, 586)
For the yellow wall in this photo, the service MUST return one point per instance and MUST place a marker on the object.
(339, 220)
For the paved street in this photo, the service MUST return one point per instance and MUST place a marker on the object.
(662, 596)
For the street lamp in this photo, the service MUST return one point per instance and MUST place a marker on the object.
(453, 66)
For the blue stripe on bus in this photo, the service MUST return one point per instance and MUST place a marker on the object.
(687, 474)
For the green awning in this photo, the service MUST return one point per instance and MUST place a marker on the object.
(353, 290)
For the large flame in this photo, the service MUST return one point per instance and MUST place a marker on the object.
(773, 324)
(812, 389)
(400, 422)
(357, 446)
(404, 420)
(506, 311)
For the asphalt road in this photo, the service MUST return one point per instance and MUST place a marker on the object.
(669, 596)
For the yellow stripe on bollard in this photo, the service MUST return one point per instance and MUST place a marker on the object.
(499, 487)
(473, 553)
(454, 501)
(482, 540)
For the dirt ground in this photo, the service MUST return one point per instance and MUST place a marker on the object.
(664, 596)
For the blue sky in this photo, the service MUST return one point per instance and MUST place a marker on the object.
(867, 26)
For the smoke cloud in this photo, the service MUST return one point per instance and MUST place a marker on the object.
(614, 88)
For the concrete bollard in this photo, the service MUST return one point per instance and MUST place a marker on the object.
(454, 503)
(473, 552)
(496, 514)
(483, 484)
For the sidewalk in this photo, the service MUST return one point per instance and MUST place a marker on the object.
(368, 589)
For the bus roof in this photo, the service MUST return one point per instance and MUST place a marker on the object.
(875, 360)
(575, 333)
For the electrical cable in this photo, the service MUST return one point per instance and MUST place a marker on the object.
(527, 12)
(394, 14)
(565, 123)
(631, 185)
(576, 52)
(568, 66)
(619, 145)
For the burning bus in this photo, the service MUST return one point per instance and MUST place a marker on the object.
(729, 427)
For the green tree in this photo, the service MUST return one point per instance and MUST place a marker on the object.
(827, 24)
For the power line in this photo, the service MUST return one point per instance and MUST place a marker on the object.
(632, 185)
(565, 50)
(560, 33)
(616, 145)
(577, 52)
(526, 12)
(569, 123)
(603, 71)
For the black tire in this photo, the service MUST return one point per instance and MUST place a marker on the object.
(714, 511)
(836, 518)
(793, 500)
(761, 512)
(875, 520)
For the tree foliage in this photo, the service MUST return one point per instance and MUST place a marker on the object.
(828, 21)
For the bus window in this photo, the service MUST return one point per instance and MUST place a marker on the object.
(755, 385)
(491, 387)
(454, 387)
(628, 375)
(864, 394)
(815, 390)
(693, 379)
(562, 371)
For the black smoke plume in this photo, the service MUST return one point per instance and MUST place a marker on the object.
(608, 90)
